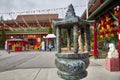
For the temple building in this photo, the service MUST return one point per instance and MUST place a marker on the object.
(31, 28)
(105, 16)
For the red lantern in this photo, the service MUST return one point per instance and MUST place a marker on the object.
(107, 15)
(101, 33)
(101, 18)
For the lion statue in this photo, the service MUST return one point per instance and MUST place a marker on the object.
(113, 53)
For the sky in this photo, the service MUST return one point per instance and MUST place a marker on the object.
(7, 6)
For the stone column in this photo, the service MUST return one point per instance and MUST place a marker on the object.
(55, 44)
(82, 38)
(87, 37)
(58, 39)
(75, 38)
(68, 39)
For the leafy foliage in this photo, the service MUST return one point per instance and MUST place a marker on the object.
(3, 38)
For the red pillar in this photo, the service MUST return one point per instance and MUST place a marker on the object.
(95, 41)
(119, 17)
(119, 35)
(119, 45)
(119, 42)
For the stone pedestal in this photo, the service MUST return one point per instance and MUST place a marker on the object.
(112, 64)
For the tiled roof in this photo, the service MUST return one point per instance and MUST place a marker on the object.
(29, 20)
(41, 18)
(93, 4)
(99, 7)
(37, 17)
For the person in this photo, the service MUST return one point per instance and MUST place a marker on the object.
(50, 47)
(8, 49)
(43, 46)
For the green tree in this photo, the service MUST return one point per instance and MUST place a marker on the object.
(50, 30)
(3, 35)
(3, 38)
(64, 37)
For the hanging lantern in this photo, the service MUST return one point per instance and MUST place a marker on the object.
(101, 36)
(106, 35)
(108, 27)
(116, 13)
(107, 15)
(112, 30)
(101, 33)
(112, 35)
(114, 10)
(102, 20)
(107, 23)
(107, 19)
(101, 30)
(102, 26)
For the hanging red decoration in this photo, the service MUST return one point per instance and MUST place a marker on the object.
(107, 23)
(101, 34)
(108, 27)
(102, 25)
(119, 16)
(106, 35)
(112, 35)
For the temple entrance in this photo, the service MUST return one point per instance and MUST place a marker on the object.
(31, 43)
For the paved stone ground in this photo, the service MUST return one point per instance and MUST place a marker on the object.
(37, 65)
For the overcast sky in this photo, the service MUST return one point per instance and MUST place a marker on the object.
(30, 5)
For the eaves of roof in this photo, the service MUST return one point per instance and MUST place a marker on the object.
(102, 8)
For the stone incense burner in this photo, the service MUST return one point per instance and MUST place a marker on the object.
(72, 66)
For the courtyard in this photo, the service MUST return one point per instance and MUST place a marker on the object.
(85, 29)
(39, 65)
